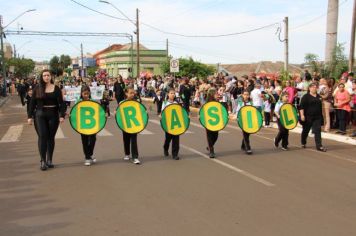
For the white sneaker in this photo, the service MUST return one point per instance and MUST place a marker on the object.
(93, 159)
(136, 161)
(87, 162)
(126, 158)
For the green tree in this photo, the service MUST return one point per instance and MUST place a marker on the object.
(339, 62)
(189, 67)
(91, 71)
(59, 64)
(55, 66)
(313, 61)
(22, 66)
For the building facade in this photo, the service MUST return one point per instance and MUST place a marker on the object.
(121, 60)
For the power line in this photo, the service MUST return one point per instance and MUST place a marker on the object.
(183, 35)
(99, 12)
(319, 17)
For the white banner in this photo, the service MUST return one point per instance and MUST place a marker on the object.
(97, 92)
(72, 94)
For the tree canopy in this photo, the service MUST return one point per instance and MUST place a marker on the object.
(191, 68)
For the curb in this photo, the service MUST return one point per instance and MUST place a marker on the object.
(3, 101)
(298, 129)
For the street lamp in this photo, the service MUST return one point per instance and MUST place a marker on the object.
(136, 24)
(2, 45)
(81, 52)
(18, 49)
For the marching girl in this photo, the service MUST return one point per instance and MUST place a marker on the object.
(245, 145)
(283, 133)
(105, 103)
(212, 136)
(88, 141)
(168, 137)
(130, 140)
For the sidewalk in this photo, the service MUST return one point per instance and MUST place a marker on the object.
(298, 129)
(3, 100)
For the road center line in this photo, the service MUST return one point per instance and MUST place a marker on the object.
(233, 168)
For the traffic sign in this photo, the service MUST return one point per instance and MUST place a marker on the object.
(174, 65)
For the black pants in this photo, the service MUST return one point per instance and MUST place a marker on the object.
(186, 105)
(212, 137)
(175, 143)
(107, 109)
(88, 142)
(159, 107)
(342, 116)
(245, 145)
(314, 124)
(119, 99)
(22, 98)
(267, 118)
(130, 140)
(47, 122)
(283, 134)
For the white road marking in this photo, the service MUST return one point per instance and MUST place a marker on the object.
(104, 132)
(59, 134)
(233, 168)
(13, 134)
(145, 131)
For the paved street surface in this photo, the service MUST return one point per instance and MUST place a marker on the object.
(272, 192)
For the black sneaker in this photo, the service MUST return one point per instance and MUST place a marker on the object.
(176, 157)
(275, 143)
(165, 153)
(212, 155)
(304, 146)
(249, 152)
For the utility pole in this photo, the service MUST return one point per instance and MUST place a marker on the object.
(138, 42)
(286, 44)
(167, 54)
(14, 51)
(331, 30)
(352, 42)
(82, 58)
(2, 57)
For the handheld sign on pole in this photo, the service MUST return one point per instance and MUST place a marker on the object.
(213, 116)
(131, 117)
(174, 66)
(288, 116)
(175, 119)
(250, 119)
(87, 117)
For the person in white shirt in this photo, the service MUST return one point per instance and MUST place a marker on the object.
(256, 97)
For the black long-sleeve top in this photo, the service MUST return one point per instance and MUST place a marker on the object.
(55, 98)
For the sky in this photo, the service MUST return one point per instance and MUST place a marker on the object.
(307, 24)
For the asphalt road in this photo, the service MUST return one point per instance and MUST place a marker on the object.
(272, 192)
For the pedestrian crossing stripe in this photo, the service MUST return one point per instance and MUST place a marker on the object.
(13, 134)
(104, 132)
(59, 134)
(288, 116)
(175, 119)
(250, 119)
(87, 117)
(131, 117)
(213, 116)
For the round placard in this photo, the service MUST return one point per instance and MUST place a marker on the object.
(288, 116)
(131, 117)
(213, 116)
(175, 119)
(250, 119)
(87, 117)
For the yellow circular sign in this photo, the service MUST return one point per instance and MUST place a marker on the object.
(131, 117)
(249, 119)
(175, 119)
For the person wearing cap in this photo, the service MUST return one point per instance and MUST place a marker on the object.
(311, 115)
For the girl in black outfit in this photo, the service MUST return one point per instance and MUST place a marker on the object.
(130, 140)
(48, 109)
(212, 136)
(88, 141)
(105, 103)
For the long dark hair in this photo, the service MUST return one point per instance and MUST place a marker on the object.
(41, 87)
